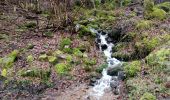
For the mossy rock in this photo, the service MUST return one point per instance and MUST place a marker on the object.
(148, 96)
(64, 42)
(57, 52)
(132, 68)
(43, 57)
(68, 50)
(146, 45)
(30, 58)
(90, 62)
(77, 52)
(7, 61)
(37, 73)
(100, 68)
(143, 24)
(69, 58)
(48, 34)
(159, 59)
(52, 59)
(148, 6)
(4, 72)
(158, 14)
(62, 68)
(123, 55)
(164, 6)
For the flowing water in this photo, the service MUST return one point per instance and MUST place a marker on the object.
(105, 82)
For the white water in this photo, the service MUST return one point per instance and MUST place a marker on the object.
(104, 83)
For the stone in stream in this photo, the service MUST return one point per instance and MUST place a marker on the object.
(121, 75)
(104, 47)
(114, 71)
(103, 33)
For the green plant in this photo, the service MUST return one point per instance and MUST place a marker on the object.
(148, 96)
(77, 52)
(52, 59)
(65, 42)
(62, 68)
(30, 58)
(132, 68)
(158, 14)
(43, 57)
(143, 24)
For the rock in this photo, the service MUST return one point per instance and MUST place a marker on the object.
(115, 33)
(114, 71)
(121, 75)
(104, 47)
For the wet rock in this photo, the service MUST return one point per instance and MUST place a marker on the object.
(115, 33)
(92, 81)
(103, 33)
(121, 75)
(114, 71)
(104, 47)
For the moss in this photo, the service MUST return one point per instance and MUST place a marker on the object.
(158, 58)
(123, 55)
(57, 52)
(4, 72)
(7, 61)
(69, 58)
(52, 59)
(34, 72)
(158, 14)
(146, 45)
(30, 46)
(132, 68)
(90, 62)
(77, 52)
(148, 6)
(30, 58)
(143, 24)
(148, 96)
(48, 34)
(64, 42)
(43, 57)
(68, 50)
(100, 68)
(164, 6)
(62, 68)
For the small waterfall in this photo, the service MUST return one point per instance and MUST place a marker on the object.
(105, 82)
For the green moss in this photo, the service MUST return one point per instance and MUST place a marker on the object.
(132, 68)
(7, 61)
(4, 72)
(148, 6)
(52, 59)
(64, 42)
(34, 72)
(68, 50)
(165, 6)
(77, 52)
(100, 68)
(90, 62)
(62, 68)
(69, 58)
(158, 58)
(147, 44)
(30, 58)
(43, 57)
(143, 24)
(48, 34)
(158, 14)
(148, 96)
(57, 52)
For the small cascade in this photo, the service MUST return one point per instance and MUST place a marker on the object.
(106, 80)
